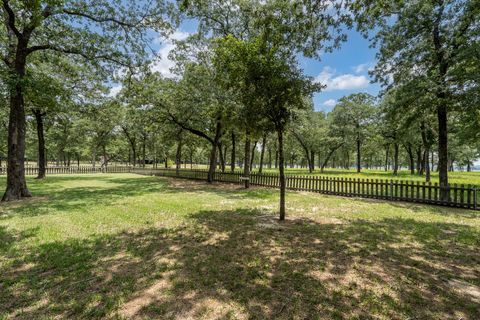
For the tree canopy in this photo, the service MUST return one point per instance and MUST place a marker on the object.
(236, 95)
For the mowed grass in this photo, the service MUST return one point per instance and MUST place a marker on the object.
(458, 177)
(127, 246)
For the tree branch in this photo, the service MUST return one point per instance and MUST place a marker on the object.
(99, 20)
(76, 52)
(11, 19)
(196, 132)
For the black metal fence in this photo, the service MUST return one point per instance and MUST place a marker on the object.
(460, 196)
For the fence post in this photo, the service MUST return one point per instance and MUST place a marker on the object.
(391, 189)
(475, 198)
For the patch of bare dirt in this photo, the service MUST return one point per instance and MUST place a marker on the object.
(200, 184)
(466, 289)
(272, 222)
(155, 292)
(19, 203)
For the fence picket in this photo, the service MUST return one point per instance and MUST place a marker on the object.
(462, 196)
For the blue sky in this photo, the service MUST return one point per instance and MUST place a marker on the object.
(344, 71)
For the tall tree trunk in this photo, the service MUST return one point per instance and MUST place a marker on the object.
(41, 143)
(348, 160)
(282, 179)
(269, 158)
(213, 153)
(134, 154)
(426, 146)
(246, 164)
(191, 158)
(94, 156)
(327, 158)
(308, 152)
(308, 158)
(232, 157)
(276, 158)
(16, 182)
(387, 151)
(427, 165)
(395, 158)
(133, 146)
(442, 117)
(178, 155)
(262, 153)
(329, 155)
(221, 156)
(411, 158)
(105, 159)
(312, 162)
(144, 153)
(419, 161)
(432, 159)
(359, 157)
(252, 155)
(224, 159)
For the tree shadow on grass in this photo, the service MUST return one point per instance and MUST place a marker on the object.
(52, 195)
(242, 264)
(8, 239)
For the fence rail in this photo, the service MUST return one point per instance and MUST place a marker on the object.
(459, 196)
(30, 171)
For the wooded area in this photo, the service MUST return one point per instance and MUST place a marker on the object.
(237, 96)
(240, 159)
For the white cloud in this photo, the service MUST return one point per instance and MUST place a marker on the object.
(330, 103)
(115, 90)
(346, 81)
(164, 63)
(361, 68)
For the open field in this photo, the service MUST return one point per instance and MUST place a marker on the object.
(129, 246)
(459, 177)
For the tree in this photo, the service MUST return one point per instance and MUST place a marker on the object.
(235, 59)
(55, 83)
(424, 38)
(270, 82)
(293, 27)
(284, 89)
(110, 32)
(355, 113)
(308, 129)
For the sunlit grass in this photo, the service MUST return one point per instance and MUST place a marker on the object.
(110, 246)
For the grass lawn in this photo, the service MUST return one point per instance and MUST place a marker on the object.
(128, 246)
